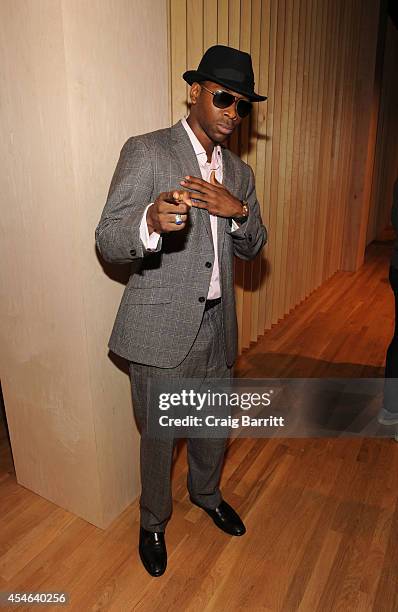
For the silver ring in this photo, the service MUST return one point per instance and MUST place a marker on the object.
(178, 219)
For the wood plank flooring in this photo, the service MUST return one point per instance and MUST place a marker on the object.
(321, 514)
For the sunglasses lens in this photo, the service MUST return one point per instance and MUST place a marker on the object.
(243, 108)
(223, 99)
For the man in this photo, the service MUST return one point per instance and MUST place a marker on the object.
(179, 208)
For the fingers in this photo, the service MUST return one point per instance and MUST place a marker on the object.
(184, 196)
(166, 207)
(181, 196)
(213, 179)
(174, 201)
(200, 185)
(170, 211)
(196, 183)
(176, 197)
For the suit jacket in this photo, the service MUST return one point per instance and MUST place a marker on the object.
(162, 305)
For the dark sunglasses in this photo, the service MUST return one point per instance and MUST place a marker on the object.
(224, 99)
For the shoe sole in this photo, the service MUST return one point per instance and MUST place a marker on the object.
(384, 421)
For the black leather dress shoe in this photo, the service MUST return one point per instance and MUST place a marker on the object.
(153, 551)
(225, 518)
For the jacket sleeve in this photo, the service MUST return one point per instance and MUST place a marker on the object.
(251, 236)
(117, 235)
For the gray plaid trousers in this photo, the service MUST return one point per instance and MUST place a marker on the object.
(206, 359)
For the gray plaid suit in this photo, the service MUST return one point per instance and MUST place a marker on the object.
(161, 314)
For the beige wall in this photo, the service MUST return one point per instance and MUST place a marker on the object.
(307, 143)
(77, 79)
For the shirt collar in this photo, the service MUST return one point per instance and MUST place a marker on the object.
(198, 147)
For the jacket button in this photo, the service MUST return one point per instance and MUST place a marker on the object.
(133, 252)
(208, 264)
(202, 299)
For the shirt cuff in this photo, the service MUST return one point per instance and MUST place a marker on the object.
(150, 242)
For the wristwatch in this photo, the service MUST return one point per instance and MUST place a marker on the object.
(245, 213)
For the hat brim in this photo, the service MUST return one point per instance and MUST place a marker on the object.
(192, 76)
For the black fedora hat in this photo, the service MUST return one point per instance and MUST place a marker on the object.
(226, 66)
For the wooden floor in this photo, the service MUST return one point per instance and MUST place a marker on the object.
(321, 514)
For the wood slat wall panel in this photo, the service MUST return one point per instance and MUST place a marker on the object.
(210, 23)
(326, 138)
(337, 128)
(222, 21)
(301, 142)
(178, 56)
(271, 144)
(305, 132)
(247, 37)
(358, 200)
(283, 174)
(263, 164)
(255, 50)
(295, 219)
(276, 209)
(194, 32)
(386, 150)
(347, 141)
(292, 120)
(311, 143)
(321, 143)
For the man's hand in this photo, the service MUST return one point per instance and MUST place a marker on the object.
(213, 196)
(161, 216)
